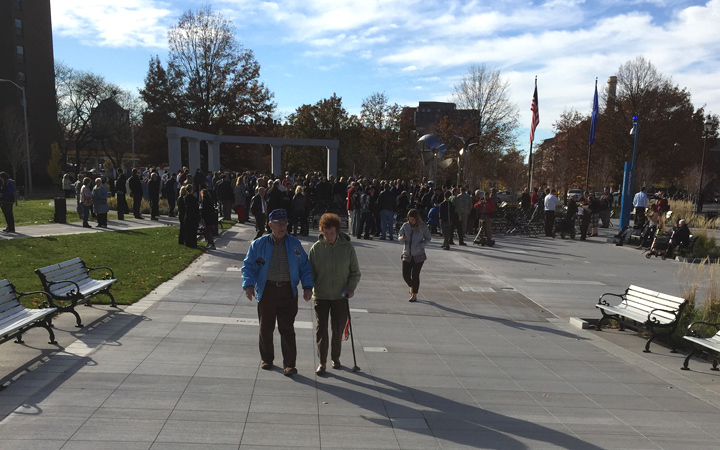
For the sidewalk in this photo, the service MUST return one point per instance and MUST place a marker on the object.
(484, 359)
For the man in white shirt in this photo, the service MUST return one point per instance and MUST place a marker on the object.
(640, 203)
(551, 201)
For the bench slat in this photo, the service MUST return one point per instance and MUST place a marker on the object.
(61, 265)
(5, 288)
(647, 307)
(22, 321)
(64, 274)
(678, 300)
(712, 343)
(661, 303)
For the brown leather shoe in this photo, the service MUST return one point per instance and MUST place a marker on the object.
(289, 371)
(266, 366)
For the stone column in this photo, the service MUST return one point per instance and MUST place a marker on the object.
(213, 156)
(193, 155)
(174, 153)
(332, 162)
(275, 162)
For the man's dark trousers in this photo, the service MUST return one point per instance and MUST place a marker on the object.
(446, 227)
(122, 207)
(640, 215)
(549, 222)
(137, 200)
(7, 209)
(278, 303)
(260, 224)
(337, 311)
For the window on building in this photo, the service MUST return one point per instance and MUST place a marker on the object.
(21, 79)
(17, 4)
(20, 54)
(18, 27)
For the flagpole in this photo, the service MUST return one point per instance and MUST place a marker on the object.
(592, 136)
(535, 108)
(530, 169)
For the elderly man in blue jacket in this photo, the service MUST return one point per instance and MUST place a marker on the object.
(274, 265)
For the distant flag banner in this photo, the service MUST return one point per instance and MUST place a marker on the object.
(535, 108)
(354, 173)
(594, 116)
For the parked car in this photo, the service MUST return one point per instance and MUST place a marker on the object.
(507, 196)
(574, 193)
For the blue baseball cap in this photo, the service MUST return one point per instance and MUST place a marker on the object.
(278, 215)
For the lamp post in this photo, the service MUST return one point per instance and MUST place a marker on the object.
(707, 128)
(460, 153)
(27, 134)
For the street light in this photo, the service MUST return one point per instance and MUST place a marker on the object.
(27, 135)
(708, 128)
(629, 180)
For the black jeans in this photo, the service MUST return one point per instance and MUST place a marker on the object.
(447, 231)
(7, 210)
(137, 200)
(411, 274)
(549, 222)
(337, 312)
(122, 207)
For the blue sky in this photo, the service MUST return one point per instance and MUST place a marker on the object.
(416, 50)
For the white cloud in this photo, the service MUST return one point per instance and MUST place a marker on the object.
(108, 23)
(408, 69)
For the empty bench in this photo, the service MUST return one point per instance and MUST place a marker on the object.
(69, 282)
(15, 319)
(708, 345)
(642, 308)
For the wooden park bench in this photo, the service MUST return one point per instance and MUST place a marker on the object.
(640, 308)
(15, 319)
(708, 345)
(70, 282)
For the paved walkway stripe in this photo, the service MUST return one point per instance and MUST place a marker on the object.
(545, 280)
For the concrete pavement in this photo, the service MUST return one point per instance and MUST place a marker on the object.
(484, 359)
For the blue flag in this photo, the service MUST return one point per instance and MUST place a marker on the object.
(593, 121)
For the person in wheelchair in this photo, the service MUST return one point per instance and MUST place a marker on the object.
(680, 237)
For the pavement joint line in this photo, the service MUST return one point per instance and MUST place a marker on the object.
(237, 321)
(546, 280)
(667, 375)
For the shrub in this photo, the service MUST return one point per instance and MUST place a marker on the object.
(163, 206)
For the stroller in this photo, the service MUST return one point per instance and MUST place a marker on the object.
(565, 226)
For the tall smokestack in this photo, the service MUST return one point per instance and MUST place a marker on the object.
(612, 87)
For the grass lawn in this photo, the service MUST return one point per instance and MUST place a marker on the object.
(141, 259)
(41, 211)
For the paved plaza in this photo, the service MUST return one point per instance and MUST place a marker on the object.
(485, 359)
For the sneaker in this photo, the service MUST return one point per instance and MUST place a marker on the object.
(289, 371)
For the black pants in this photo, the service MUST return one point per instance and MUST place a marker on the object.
(191, 227)
(137, 200)
(102, 219)
(278, 304)
(584, 225)
(171, 206)
(549, 222)
(154, 207)
(260, 226)
(7, 210)
(122, 207)
(447, 232)
(366, 223)
(337, 311)
(181, 233)
(411, 274)
(640, 215)
(459, 229)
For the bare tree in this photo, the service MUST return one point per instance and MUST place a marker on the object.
(494, 116)
(12, 142)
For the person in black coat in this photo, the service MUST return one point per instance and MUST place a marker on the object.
(136, 192)
(259, 210)
(122, 206)
(181, 215)
(154, 193)
(209, 217)
(192, 217)
(170, 193)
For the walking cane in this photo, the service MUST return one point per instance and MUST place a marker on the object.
(352, 339)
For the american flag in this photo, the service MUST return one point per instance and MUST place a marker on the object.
(535, 108)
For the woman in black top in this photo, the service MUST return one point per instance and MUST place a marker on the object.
(209, 217)
(181, 215)
(192, 217)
